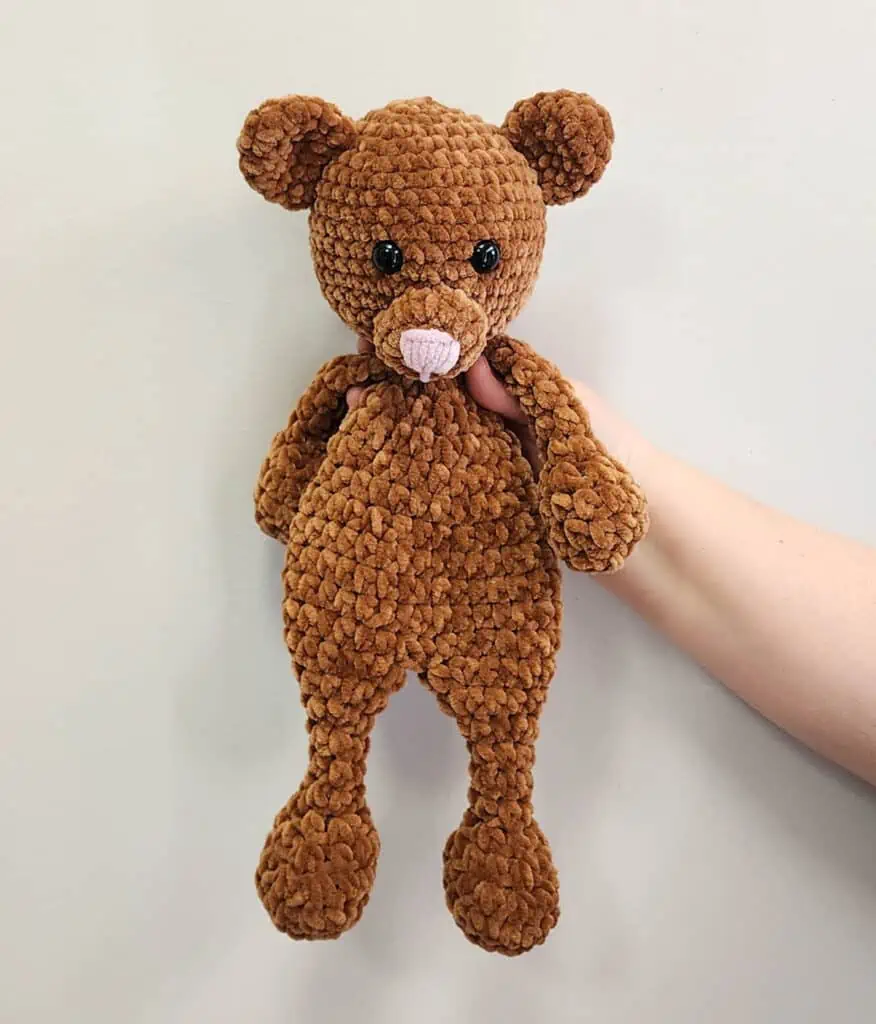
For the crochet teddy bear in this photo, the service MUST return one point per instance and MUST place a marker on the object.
(417, 535)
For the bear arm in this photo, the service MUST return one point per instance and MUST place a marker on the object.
(298, 450)
(593, 510)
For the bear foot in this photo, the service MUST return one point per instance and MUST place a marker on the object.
(501, 885)
(316, 872)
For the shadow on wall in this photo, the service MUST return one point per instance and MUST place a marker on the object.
(234, 705)
(154, 306)
(237, 719)
(239, 709)
(237, 714)
(828, 815)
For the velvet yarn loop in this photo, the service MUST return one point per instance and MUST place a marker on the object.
(417, 539)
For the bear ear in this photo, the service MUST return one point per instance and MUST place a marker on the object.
(287, 143)
(566, 138)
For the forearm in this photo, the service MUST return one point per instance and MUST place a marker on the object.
(783, 614)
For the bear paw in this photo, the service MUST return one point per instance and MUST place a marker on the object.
(596, 517)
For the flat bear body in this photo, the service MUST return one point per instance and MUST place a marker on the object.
(418, 546)
(418, 538)
(433, 509)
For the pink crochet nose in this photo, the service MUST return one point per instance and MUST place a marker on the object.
(429, 352)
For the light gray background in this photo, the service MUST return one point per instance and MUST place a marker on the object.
(159, 320)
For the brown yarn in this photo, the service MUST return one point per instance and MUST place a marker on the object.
(286, 144)
(440, 307)
(566, 136)
(417, 538)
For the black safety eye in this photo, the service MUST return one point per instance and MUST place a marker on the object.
(486, 256)
(387, 257)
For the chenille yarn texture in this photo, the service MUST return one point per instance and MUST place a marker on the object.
(417, 537)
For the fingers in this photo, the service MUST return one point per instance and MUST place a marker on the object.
(487, 390)
(354, 397)
(528, 445)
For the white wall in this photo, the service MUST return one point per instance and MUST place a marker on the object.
(158, 320)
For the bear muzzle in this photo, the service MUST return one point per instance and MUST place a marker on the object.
(430, 332)
(429, 353)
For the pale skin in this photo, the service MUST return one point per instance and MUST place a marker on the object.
(783, 614)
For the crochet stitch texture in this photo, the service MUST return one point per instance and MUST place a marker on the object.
(417, 537)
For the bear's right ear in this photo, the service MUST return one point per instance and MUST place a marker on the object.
(287, 143)
(566, 138)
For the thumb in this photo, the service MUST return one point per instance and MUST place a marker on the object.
(487, 390)
(354, 397)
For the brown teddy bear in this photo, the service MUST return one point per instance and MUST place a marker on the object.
(417, 536)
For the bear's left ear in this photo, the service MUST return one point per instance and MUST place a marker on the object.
(566, 138)
(286, 144)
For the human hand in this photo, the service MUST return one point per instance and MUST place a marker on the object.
(619, 437)
(490, 393)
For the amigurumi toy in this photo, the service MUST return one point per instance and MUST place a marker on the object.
(417, 535)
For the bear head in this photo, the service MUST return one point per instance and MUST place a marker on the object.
(427, 224)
